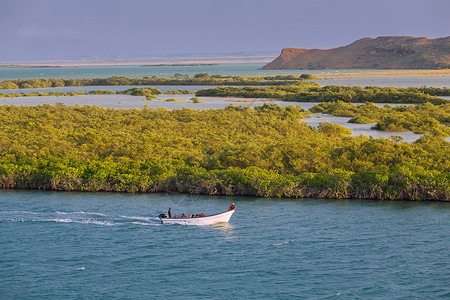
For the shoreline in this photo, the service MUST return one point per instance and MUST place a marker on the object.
(314, 194)
(442, 73)
(137, 63)
(218, 62)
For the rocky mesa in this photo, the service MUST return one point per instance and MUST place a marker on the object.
(386, 52)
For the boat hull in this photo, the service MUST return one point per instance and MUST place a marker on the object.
(207, 220)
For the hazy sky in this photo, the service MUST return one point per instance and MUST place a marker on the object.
(55, 29)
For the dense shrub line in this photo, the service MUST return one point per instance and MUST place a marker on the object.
(265, 151)
(178, 79)
(312, 92)
(149, 91)
(370, 184)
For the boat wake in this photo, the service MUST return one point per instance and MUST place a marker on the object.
(285, 243)
(80, 217)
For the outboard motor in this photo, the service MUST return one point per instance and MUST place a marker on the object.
(162, 216)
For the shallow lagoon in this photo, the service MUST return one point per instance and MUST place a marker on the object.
(243, 69)
(136, 71)
(240, 69)
(130, 102)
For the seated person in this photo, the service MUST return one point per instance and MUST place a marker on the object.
(232, 207)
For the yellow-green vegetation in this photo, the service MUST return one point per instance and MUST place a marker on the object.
(420, 118)
(179, 92)
(57, 94)
(150, 97)
(278, 92)
(308, 77)
(263, 151)
(97, 92)
(174, 100)
(149, 93)
(387, 74)
(250, 100)
(313, 92)
(361, 120)
(179, 79)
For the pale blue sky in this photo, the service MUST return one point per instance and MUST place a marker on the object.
(55, 29)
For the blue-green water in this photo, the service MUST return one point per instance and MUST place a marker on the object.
(240, 69)
(82, 245)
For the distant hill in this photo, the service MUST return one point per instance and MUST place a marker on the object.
(386, 52)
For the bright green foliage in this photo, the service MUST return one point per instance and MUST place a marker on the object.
(281, 92)
(419, 118)
(58, 94)
(141, 91)
(101, 92)
(308, 77)
(202, 75)
(266, 151)
(133, 91)
(333, 129)
(179, 92)
(361, 120)
(178, 79)
(312, 92)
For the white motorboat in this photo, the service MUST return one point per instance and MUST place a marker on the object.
(206, 220)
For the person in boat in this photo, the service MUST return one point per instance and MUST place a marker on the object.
(169, 213)
(183, 216)
(232, 207)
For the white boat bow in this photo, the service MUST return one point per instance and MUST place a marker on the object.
(206, 220)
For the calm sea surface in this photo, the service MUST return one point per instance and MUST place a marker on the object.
(102, 245)
(241, 69)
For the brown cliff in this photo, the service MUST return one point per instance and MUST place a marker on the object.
(387, 52)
